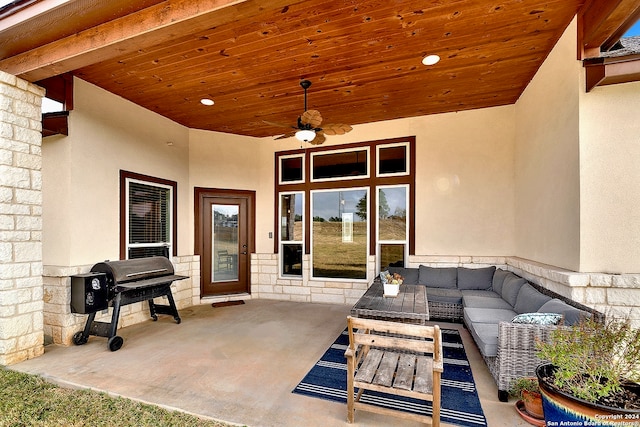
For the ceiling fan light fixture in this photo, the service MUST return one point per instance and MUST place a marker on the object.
(430, 59)
(305, 135)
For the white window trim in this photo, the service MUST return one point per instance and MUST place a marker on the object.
(342, 178)
(291, 156)
(283, 242)
(404, 242)
(407, 160)
(128, 244)
(368, 249)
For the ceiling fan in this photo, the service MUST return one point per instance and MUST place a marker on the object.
(309, 124)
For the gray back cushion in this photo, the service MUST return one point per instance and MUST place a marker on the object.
(410, 275)
(529, 299)
(511, 288)
(572, 315)
(438, 277)
(498, 279)
(475, 278)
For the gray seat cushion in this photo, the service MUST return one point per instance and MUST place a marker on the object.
(484, 302)
(487, 315)
(572, 315)
(449, 296)
(511, 288)
(529, 299)
(480, 293)
(445, 277)
(475, 278)
(486, 337)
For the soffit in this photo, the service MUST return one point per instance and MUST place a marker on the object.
(363, 57)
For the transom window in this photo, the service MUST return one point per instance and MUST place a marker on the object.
(340, 204)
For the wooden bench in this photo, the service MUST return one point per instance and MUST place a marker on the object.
(394, 358)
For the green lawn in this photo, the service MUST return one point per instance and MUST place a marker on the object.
(28, 400)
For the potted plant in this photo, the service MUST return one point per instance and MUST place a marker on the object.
(593, 373)
(391, 283)
(529, 405)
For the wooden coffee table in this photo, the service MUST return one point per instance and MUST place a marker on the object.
(410, 306)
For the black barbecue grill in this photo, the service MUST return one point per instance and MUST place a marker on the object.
(126, 282)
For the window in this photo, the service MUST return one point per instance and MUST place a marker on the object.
(392, 225)
(355, 202)
(340, 233)
(291, 233)
(393, 159)
(148, 219)
(340, 165)
(292, 169)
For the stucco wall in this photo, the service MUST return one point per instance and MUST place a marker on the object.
(225, 161)
(464, 176)
(610, 178)
(547, 171)
(81, 214)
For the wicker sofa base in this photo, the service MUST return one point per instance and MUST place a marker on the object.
(445, 311)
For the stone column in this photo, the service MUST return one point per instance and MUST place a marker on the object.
(21, 284)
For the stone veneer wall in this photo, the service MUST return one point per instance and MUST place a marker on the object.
(60, 324)
(21, 328)
(615, 294)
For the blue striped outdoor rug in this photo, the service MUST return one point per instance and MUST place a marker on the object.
(460, 403)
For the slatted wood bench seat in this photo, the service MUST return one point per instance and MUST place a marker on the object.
(394, 358)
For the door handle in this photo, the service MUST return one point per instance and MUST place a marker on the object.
(244, 253)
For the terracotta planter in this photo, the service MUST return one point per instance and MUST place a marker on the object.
(560, 407)
(533, 404)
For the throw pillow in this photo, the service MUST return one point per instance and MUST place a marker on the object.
(383, 276)
(475, 278)
(438, 277)
(538, 318)
(529, 299)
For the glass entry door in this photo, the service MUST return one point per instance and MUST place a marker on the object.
(225, 239)
(224, 242)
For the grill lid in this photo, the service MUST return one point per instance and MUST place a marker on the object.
(135, 270)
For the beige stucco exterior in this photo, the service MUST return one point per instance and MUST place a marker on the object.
(547, 187)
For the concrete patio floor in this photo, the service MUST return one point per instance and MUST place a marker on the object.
(236, 364)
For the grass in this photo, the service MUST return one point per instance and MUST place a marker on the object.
(29, 400)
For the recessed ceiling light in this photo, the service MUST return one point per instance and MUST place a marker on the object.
(430, 59)
(207, 101)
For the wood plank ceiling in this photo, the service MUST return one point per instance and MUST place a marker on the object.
(363, 57)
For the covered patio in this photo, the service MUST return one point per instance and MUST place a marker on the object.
(237, 364)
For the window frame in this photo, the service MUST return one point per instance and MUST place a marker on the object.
(379, 241)
(408, 159)
(280, 168)
(125, 178)
(372, 182)
(367, 190)
(314, 154)
(282, 242)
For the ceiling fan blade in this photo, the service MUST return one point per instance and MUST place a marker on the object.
(280, 125)
(336, 129)
(286, 135)
(311, 117)
(319, 139)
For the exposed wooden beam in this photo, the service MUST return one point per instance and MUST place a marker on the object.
(603, 22)
(157, 24)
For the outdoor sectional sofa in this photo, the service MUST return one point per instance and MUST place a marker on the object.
(503, 312)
